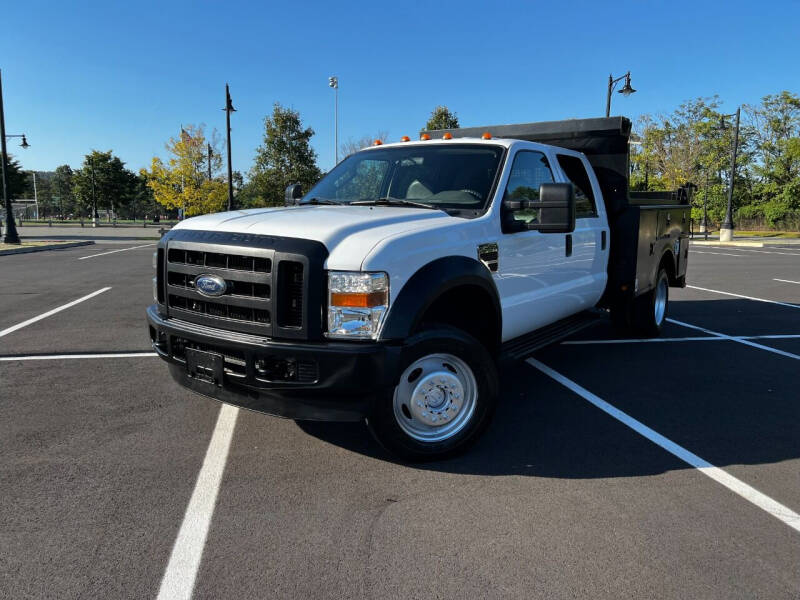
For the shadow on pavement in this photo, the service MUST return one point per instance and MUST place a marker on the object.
(728, 403)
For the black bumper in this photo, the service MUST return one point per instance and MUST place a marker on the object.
(297, 380)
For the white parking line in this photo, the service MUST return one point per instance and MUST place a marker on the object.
(762, 501)
(736, 339)
(694, 287)
(681, 339)
(786, 281)
(181, 573)
(113, 251)
(717, 253)
(739, 249)
(52, 312)
(68, 356)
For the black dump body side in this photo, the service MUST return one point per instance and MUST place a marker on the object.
(645, 226)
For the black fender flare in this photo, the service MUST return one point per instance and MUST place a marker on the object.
(425, 286)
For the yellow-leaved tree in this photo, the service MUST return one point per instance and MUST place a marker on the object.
(186, 181)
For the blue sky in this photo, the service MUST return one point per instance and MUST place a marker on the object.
(125, 76)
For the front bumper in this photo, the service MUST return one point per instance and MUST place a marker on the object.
(323, 381)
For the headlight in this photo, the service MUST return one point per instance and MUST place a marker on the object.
(357, 304)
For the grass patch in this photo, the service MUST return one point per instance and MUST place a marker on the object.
(768, 234)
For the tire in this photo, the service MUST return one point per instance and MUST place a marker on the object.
(442, 400)
(650, 309)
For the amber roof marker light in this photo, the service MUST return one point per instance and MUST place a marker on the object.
(424, 136)
(377, 143)
(486, 135)
(447, 136)
(405, 138)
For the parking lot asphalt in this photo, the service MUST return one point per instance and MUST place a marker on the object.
(102, 459)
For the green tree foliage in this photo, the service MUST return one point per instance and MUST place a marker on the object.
(182, 182)
(775, 126)
(103, 183)
(16, 177)
(284, 157)
(63, 192)
(442, 118)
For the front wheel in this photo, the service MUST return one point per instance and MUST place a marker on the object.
(443, 399)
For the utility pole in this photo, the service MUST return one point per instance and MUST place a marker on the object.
(726, 229)
(210, 152)
(11, 237)
(228, 110)
(35, 195)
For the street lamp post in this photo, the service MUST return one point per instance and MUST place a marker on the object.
(228, 110)
(333, 82)
(626, 90)
(726, 229)
(11, 237)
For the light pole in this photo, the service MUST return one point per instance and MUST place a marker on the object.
(228, 110)
(11, 237)
(333, 82)
(626, 90)
(726, 229)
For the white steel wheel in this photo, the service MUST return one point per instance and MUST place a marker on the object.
(660, 301)
(435, 398)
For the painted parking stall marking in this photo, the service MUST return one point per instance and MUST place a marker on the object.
(115, 251)
(50, 313)
(74, 356)
(787, 281)
(752, 495)
(184, 562)
(702, 289)
(740, 340)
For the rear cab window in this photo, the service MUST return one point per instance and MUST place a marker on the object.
(575, 170)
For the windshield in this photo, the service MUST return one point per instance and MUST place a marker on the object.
(452, 176)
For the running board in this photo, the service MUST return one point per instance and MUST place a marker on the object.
(529, 343)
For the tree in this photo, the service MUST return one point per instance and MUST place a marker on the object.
(103, 182)
(183, 183)
(442, 118)
(775, 124)
(63, 190)
(16, 177)
(284, 157)
(352, 145)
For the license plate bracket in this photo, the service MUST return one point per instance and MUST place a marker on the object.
(208, 367)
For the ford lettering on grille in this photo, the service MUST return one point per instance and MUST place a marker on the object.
(210, 285)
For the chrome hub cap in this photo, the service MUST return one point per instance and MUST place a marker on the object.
(661, 301)
(435, 398)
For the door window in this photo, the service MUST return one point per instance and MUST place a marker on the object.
(575, 171)
(530, 170)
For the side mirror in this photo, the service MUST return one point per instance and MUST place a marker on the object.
(557, 201)
(293, 193)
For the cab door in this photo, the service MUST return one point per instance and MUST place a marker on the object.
(531, 270)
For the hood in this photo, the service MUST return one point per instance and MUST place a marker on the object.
(348, 232)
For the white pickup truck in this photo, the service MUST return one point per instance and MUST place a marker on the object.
(389, 290)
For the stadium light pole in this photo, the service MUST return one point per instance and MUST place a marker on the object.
(333, 82)
(726, 228)
(626, 90)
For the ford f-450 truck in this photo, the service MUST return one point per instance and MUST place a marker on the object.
(389, 291)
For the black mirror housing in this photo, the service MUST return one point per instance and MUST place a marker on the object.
(557, 204)
(293, 194)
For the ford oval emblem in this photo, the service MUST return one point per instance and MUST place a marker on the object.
(210, 285)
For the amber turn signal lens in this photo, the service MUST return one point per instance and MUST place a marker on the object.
(424, 136)
(359, 299)
(405, 138)
(486, 135)
(447, 136)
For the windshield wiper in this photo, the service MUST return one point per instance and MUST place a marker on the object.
(387, 201)
(321, 201)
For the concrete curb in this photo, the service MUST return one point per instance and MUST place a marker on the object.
(43, 248)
